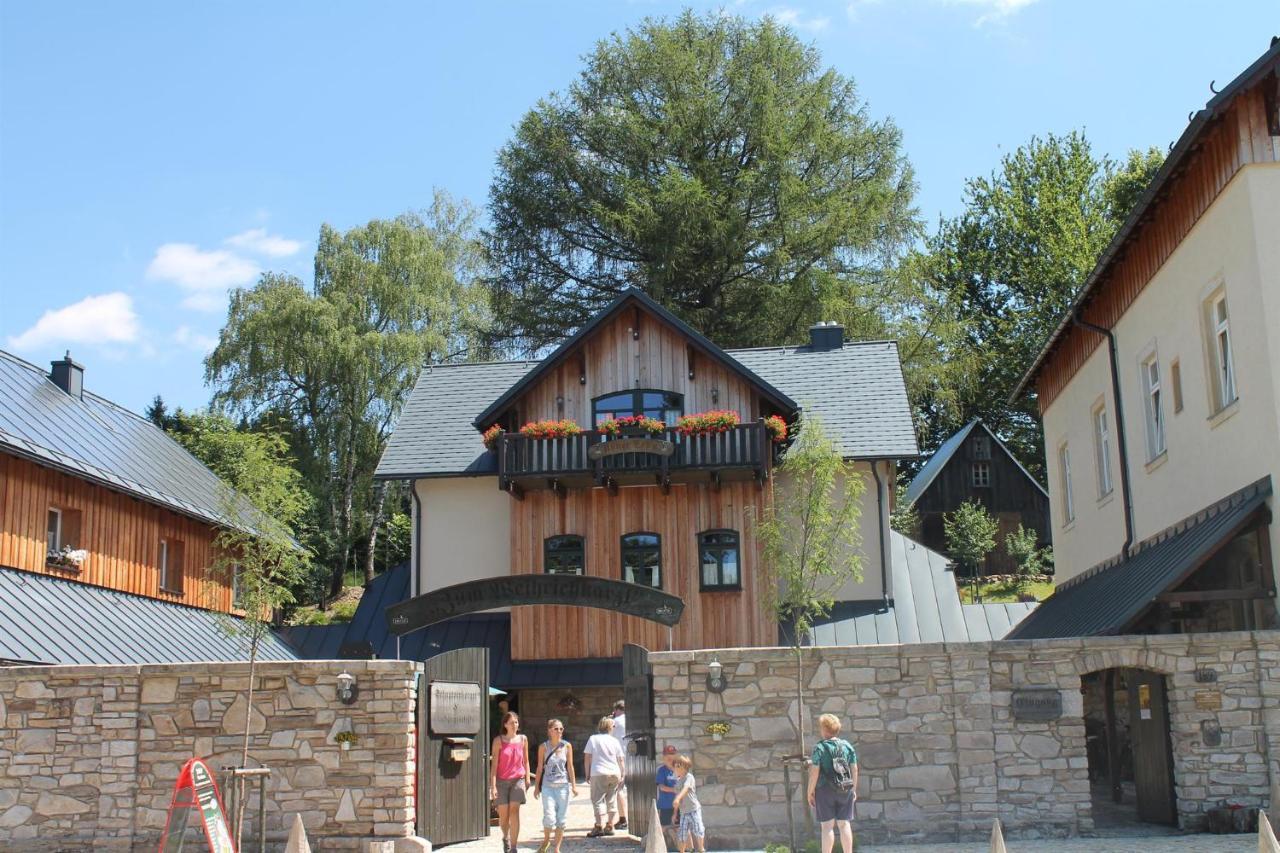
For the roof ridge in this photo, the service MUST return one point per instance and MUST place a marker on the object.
(795, 347)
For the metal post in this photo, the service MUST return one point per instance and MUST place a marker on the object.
(262, 814)
(791, 813)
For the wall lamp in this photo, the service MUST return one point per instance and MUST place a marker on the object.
(717, 681)
(348, 690)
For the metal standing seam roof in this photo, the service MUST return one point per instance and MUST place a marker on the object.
(938, 461)
(926, 607)
(1109, 597)
(857, 390)
(491, 630)
(48, 620)
(96, 440)
(1173, 164)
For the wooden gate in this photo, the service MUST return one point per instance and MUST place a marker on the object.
(453, 747)
(1152, 752)
(642, 782)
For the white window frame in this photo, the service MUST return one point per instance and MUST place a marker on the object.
(1068, 497)
(54, 547)
(982, 447)
(164, 564)
(1220, 352)
(1153, 406)
(984, 481)
(1102, 450)
(237, 580)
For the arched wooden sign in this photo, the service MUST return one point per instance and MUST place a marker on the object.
(518, 590)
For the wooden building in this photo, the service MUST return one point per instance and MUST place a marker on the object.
(974, 465)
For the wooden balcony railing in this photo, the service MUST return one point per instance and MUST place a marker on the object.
(593, 458)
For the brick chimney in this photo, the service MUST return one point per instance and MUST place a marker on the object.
(825, 336)
(68, 376)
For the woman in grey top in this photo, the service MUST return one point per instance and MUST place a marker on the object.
(555, 779)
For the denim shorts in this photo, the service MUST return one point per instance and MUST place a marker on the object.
(555, 805)
(691, 824)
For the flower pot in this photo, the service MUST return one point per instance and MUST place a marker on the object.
(717, 736)
(346, 746)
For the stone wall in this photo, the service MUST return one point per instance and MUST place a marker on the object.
(89, 754)
(940, 752)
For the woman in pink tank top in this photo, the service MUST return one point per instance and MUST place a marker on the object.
(509, 778)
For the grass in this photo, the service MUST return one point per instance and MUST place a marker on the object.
(1003, 591)
(341, 609)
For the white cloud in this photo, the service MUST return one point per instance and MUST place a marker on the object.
(258, 242)
(205, 275)
(105, 319)
(798, 19)
(992, 10)
(185, 336)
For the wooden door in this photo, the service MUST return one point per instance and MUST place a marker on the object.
(642, 781)
(1152, 754)
(453, 713)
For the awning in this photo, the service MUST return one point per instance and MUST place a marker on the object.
(1108, 598)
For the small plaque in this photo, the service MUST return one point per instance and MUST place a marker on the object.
(455, 708)
(1208, 700)
(619, 446)
(1037, 704)
(1204, 675)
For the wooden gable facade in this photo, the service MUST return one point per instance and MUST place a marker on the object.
(981, 469)
(637, 349)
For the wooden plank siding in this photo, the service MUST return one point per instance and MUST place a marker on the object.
(615, 360)
(720, 619)
(1239, 138)
(121, 533)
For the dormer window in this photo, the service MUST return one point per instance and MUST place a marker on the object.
(665, 406)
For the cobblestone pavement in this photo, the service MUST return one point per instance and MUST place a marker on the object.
(580, 820)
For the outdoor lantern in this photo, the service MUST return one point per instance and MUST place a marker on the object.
(717, 681)
(347, 688)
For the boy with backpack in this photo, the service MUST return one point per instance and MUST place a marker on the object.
(833, 783)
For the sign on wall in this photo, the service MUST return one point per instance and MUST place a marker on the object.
(1037, 704)
(619, 446)
(455, 707)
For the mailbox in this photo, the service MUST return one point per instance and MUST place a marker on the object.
(459, 748)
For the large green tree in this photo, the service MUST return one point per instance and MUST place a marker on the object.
(711, 162)
(334, 362)
(1005, 271)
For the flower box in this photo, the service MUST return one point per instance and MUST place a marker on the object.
(550, 429)
(68, 558)
(491, 436)
(707, 423)
(632, 425)
(777, 428)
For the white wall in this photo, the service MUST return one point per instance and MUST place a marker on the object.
(1236, 242)
(466, 531)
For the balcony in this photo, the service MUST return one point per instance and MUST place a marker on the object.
(592, 458)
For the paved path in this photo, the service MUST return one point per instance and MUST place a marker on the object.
(580, 820)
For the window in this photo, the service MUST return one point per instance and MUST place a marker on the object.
(718, 551)
(981, 474)
(660, 405)
(1154, 407)
(981, 447)
(53, 534)
(642, 559)
(1102, 450)
(171, 566)
(237, 586)
(1175, 384)
(1224, 373)
(564, 555)
(1068, 499)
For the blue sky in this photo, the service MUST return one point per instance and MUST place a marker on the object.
(153, 155)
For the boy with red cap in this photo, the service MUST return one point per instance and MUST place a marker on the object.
(667, 788)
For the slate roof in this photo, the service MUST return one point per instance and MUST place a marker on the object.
(492, 630)
(926, 607)
(1175, 163)
(1109, 597)
(94, 439)
(48, 620)
(857, 390)
(938, 461)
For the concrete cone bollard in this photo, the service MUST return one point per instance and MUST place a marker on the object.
(654, 840)
(297, 842)
(1266, 836)
(997, 838)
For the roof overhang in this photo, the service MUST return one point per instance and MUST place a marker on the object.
(1187, 144)
(635, 297)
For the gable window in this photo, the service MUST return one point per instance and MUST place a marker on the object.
(665, 406)
(980, 475)
(1224, 372)
(1068, 499)
(642, 559)
(1153, 405)
(718, 550)
(981, 447)
(564, 555)
(53, 534)
(237, 586)
(1102, 450)
(171, 566)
